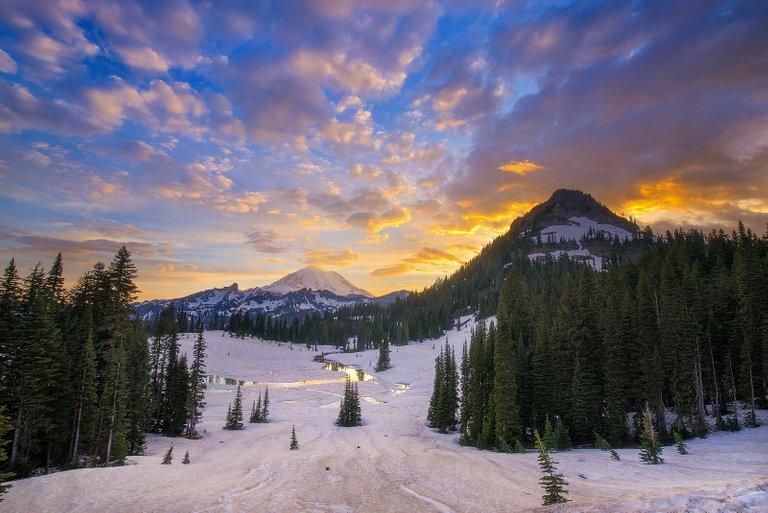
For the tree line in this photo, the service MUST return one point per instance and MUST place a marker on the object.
(684, 329)
(79, 384)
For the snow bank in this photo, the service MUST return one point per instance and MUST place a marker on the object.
(393, 463)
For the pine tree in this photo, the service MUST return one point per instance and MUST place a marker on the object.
(137, 404)
(383, 363)
(198, 386)
(553, 483)
(602, 444)
(464, 398)
(561, 436)
(510, 330)
(185, 461)
(5, 427)
(256, 411)
(650, 452)
(168, 458)
(434, 402)
(682, 447)
(264, 417)
(85, 395)
(235, 412)
(549, 434)
(176, 395)
(349, 413)
(294, 442)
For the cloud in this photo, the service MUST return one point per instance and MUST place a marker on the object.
(7, 64)
(46, 246)
(621, 97)
(268, 241)
(425, 260)
(144, 58)
(458, 89)
(167, 107)
(38, 158)
(374, 223)
(521, 168)
(330, 258)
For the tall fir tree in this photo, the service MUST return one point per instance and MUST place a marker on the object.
(196, 401)
(264, 417)
(383, 362)
(510, 330)
(349, 413)
(5, 427)
(235, 413)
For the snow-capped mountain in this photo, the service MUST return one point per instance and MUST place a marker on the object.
(573, 223)
(299, 293)
(314, 278)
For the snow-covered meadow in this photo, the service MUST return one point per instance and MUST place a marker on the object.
(393, 463)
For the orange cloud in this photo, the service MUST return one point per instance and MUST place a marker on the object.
(374, 222)
(520, 167)
(322, 258)
(425, 260)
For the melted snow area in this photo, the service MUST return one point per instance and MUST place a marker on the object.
(394, 463)
(577, 229)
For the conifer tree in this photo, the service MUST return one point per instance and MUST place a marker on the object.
(235, 412)
(197, 385)
(549, 434)
(137, 404)
(10, 299)
(294, 442)
(464, 398)
(176, 395)
(256, 411)
(264, 417)
(561, 436)
(5, 427)
(383, 363)
(168, 458)
(680, 444)
(553, 483)
(85, 395)
(434, 402)
(185, 461)
(651, 450)
(349, 413)
(602, 444)
(511, 326)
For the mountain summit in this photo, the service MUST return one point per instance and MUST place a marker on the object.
(565, 204)
(314, 278)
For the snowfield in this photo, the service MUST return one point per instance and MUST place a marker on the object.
(393, 463)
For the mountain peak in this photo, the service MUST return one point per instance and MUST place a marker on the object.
(565, 204)
(315, 278)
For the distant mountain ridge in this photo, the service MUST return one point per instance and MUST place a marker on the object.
(300, 293)
(570, 223)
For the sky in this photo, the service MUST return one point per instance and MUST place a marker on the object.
(389, 140)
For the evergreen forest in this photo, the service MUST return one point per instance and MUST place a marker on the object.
(683, 329)
(79, 384)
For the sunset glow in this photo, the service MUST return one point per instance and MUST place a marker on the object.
(390, 141)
